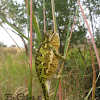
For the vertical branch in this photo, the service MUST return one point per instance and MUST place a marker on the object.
(44, 15)
(30, 70)
(94, 73)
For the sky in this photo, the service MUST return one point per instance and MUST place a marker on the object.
(6, 39)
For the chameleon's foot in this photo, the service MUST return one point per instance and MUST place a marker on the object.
(64, 58)
(58, 69)
(57, 77)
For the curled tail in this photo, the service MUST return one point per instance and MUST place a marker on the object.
(45, 91)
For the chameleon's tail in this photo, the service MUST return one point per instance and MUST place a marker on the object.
(45, 91)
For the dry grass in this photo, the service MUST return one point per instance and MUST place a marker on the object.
(16, 49)
(14, 73)
(14, 76)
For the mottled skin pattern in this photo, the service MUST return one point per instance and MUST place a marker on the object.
(46, 61)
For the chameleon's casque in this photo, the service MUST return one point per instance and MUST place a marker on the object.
(46, 60)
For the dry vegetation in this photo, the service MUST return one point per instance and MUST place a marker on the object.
(76, 80)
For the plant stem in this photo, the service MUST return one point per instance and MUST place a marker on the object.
(44, 15)
(30, 70)
(94, 73)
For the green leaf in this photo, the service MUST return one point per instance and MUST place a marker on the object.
(67, 35)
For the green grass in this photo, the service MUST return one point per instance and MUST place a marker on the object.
(14, 76)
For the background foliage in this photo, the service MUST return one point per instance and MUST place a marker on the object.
(77, 73)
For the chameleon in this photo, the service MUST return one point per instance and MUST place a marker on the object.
(47, 59)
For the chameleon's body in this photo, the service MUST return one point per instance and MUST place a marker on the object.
(46, 61)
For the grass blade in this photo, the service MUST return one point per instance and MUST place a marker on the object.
(30, 60)
(67, 35)
(86, 98)
(94, 73)
(55, 30)
(92, 39)
(34, 23)
(16, 44)
(54, 17)
(17, 30)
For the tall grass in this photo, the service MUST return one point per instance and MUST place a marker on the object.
(14, 75)
(11, 70)
(14, 71)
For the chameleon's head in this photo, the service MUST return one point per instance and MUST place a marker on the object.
(53, 38)
(47, 35)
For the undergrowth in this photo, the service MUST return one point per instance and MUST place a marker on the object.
(76, 79)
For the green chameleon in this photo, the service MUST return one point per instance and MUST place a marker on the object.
(47, 60)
